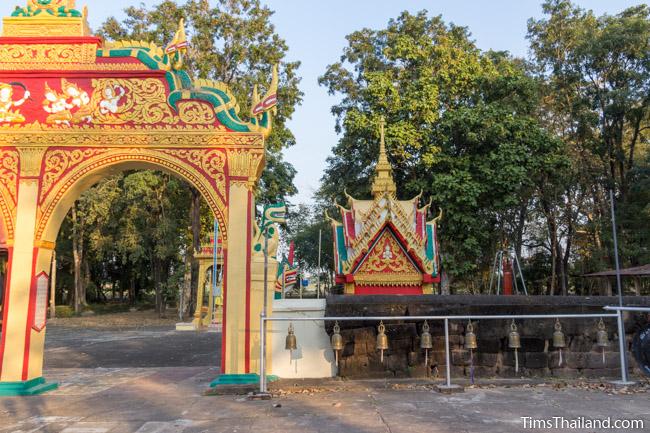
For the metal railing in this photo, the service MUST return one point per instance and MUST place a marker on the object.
(621, 331)
(446, 320)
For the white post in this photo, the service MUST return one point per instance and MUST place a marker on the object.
(53, 287)
(320, 241)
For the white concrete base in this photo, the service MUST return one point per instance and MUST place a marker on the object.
(186, 326)
(314, 357)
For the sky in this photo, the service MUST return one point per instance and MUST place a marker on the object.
(315, 33)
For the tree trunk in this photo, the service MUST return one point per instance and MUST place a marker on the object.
(195, 217)
(87, 279)
(157, 281)
(77, 255)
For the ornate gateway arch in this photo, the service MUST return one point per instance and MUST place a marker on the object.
(74, 109)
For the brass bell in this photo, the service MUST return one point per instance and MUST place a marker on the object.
(291, 343)
(337, 339)
(470, 337)
(602, 340)
(514, 340)
(425, 338)
(382, 340)
(559, 341)
(425, 342)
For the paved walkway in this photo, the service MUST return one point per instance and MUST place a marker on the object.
(153, 379)
(152, 346)
(165, 400)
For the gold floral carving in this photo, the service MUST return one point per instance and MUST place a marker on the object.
(58, 161)
(9, 172)
(387, 263)
(30, 161)
(27, 66)
(163, 161)
(144, 101)
(8, 188)
(196, 113)
(211, 162)
(244, 164)
(49, 53)
(126, 136)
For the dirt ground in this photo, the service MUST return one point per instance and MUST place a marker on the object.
(133, 319)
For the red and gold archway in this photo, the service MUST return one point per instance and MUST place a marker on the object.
(73, 110)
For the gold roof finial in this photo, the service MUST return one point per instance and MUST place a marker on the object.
(383, 182)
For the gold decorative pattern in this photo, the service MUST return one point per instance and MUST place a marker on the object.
(8, 189)
(30, 161)
(37, 134)
(38, 27)
(23, 66)
(387, 263)
(116, 156)
(54, 54)
(58, 161)
(196, 113)
(144, 101)
(212, 162)
(244, 164)
(9, 172)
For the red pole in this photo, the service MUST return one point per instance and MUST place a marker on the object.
(507, 276)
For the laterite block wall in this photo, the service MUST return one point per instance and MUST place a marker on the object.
(493, 358)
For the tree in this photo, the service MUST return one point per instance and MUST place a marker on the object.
(235, 43)
(596, 75)
(305, 224)
(461, 128)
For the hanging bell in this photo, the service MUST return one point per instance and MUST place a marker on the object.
(425, 338)
(514, 340)
(470, 337)
(425, 342)
(382, 340)
(602, 340)
(291, 343)
(337, 339)
(559, 341)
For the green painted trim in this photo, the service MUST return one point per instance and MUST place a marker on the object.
(240, 379)
(28, 387)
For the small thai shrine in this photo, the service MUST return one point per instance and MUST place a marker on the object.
(385, 245)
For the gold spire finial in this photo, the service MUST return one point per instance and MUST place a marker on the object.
(383, 182)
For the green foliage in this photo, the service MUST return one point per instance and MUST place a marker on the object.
(233, 42)
(135, 227)
(460, 127)
(304, 224)
(518, 152)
